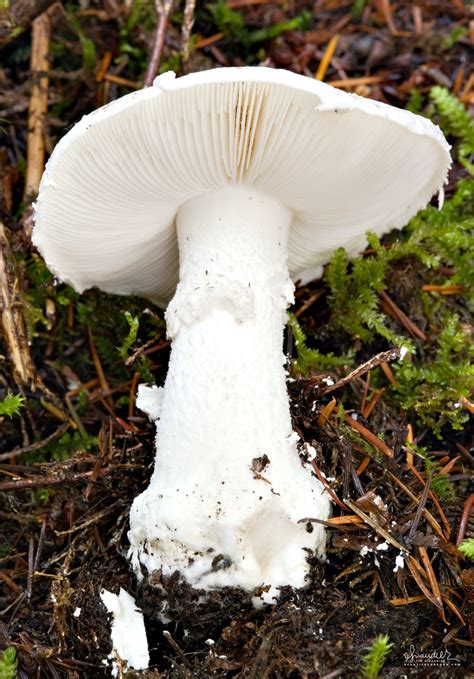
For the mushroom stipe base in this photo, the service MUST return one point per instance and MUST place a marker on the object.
(229, 488)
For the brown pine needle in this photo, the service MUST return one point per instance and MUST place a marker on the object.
(326, 412)
(431, 575)
(443, 289)
(434, 499)
(414, 571)
(453, 608)
(363, 465)
(464, 519)
(388, 372)
(104, 385)
(309, 302)
(327, 56)
(395, 312)
(407, 600)
(353, 82)
(428, 516)
(205, 42)
(371, 438)
(117, 80)
(410, 439)
(341, 520)
(370, 405)
(449, 466)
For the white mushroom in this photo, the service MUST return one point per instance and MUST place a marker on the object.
(254, 176)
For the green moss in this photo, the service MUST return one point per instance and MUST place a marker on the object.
(441, 484)
(89, 56)
(11, 405)
(456, 121)
(134, 324)
(232, 24)
(467, 548)
(8, 663)
(433, 385)
(453, 37)
(374, 659)
(310, 358)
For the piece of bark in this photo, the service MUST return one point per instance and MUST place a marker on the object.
(12, 322)
(38, 107)
(18, 16)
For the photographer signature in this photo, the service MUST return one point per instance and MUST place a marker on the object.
(431, 658)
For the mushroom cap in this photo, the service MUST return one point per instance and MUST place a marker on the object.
(106, 208)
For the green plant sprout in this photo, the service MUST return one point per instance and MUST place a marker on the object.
(11, 405)
(8, 664)
(310, 358)
(129, 341)
(374, 659)
(467, 548)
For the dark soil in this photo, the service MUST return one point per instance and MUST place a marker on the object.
(64, 522)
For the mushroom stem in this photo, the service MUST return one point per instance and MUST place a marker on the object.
(228, 489)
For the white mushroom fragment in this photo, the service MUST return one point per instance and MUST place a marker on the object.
(250, 177)
(127, 633)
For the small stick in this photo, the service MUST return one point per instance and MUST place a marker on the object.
(188, 21)
(163, 9)
(141, 350)
(365, 392)
(35, 446)
(39, 67)
(31, 553)
(376, 526)
(61, 479)
(376, 360)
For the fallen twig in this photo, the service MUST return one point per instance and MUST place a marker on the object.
(39, 67)
(46, 481)
(188, 21)
(376, 360)
(16, 452)
(163, 9)
(12, 320)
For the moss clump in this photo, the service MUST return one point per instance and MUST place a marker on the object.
(374, 659)
(436, 246)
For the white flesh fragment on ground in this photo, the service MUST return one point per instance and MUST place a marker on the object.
(128, 632)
